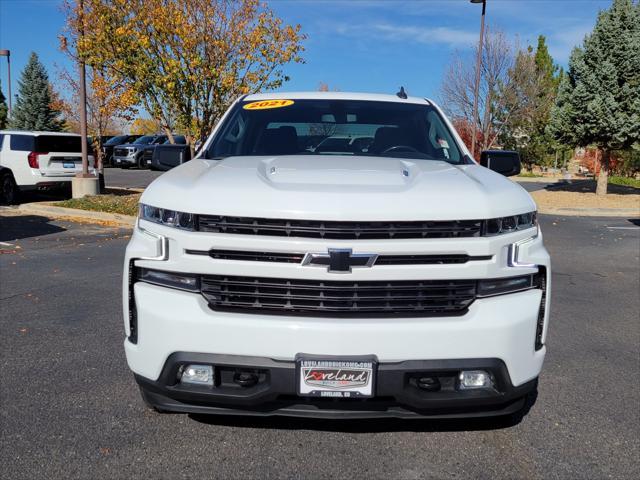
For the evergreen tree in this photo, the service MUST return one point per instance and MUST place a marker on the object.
(529, 95)
(548, 76)
(33, 109)
(3, 110)
(599, 98)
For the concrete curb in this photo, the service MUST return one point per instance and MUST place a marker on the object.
(591, 212)
(536, 179)
(125, 189)
(78, 215)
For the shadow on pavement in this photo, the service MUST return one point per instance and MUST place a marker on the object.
(26, 226)
(43, 196)
(589, 186)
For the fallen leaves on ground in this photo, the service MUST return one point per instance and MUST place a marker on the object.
(122, 204)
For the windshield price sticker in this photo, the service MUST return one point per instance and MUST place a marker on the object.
(340, 379)
(266, 104)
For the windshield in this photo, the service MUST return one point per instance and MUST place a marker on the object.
(116, 140)
(144, 140)
(335, 127)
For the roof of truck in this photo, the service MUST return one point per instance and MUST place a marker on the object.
(377, 97)
(36, 133)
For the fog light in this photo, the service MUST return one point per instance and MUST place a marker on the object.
(197, 374)
(470, 379)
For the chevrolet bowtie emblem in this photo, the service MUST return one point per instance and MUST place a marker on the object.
(339, 260)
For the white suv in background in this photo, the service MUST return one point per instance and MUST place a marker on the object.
(37, 161)
(394, 278)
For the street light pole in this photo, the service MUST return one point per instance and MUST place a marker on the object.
(476, 88)
(84, 183)
(7, 53)
(83, 98)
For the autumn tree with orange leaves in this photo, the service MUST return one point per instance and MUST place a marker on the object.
(109, 98)
(187, 60)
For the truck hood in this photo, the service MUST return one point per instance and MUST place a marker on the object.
(337, 187)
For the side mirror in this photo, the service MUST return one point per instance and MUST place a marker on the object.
(505, 162)
(165, 157)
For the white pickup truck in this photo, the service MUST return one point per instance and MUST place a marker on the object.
(392, 276)
(31, 160)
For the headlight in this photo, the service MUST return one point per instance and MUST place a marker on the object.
(499, 286)
(498, 226)
(181, 281)
(170, 218)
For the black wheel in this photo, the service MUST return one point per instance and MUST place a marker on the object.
(142, 163)
(8, 189)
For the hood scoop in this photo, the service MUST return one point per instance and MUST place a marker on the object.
(325, 170)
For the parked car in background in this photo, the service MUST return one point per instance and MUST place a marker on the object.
(167, 156)
(33, 160)
(147, 155)
(131, 154)
(110, 144)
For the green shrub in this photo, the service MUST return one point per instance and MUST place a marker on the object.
(626, 181)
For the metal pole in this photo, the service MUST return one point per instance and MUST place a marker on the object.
(477, 84)
(83, 100)
(9, 78)
(7, 53)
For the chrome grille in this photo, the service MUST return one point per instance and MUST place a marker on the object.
(282, 257)
(337, 298)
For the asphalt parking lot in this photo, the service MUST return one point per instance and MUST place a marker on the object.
(129, 178)
(69, 407)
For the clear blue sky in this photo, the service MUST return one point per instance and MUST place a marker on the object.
(357, 45)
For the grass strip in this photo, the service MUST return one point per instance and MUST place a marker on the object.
(122, 204)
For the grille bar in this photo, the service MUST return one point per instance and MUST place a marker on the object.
(328, 298)
(338, 229)
(298, 257)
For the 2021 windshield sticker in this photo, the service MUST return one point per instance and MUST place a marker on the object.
(266, 104)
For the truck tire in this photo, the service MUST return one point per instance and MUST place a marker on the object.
(142, 163)
(9, 191)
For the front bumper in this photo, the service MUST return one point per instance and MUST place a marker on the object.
(170, 321)
(396, 392)
(128, 160)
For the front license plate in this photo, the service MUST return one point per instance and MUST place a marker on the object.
(335, 378)
(68, 165)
